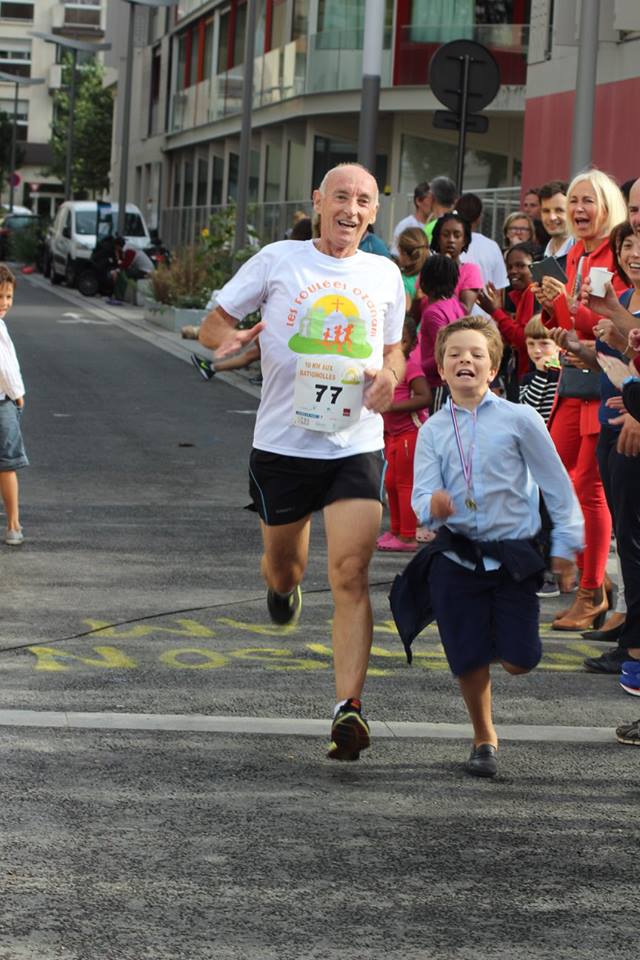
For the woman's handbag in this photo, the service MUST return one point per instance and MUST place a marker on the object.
(577, 383)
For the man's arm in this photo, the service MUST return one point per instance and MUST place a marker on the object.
(218, 332)
(379, 393)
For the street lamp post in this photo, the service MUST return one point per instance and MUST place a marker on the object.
(75, 46)
(126, 108)
(18, 82)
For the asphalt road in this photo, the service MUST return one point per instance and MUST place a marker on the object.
(136, 593)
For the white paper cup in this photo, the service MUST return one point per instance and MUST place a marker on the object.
(598, 277)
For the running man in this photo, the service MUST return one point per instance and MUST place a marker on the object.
(318, 438)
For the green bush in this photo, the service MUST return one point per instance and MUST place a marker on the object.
(196, 271)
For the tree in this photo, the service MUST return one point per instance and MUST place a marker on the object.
(93, 119)
(6, 132)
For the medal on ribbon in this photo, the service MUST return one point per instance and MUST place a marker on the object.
(466, 462)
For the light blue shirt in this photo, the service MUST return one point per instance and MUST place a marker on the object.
(513, 456)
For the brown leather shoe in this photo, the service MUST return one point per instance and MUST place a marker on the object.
(587, 612)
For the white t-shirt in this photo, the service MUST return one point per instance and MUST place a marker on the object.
(488, 255)
(409, 221)
(316, 305)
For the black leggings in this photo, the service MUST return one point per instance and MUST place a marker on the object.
(621, 480)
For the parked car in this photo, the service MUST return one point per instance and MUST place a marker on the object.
(15, 223)
(73, 236)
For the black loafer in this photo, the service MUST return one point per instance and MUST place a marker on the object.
(604, 636)
(483, 761)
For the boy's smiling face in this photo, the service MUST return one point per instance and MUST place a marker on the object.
(467, 368)
(6, 298)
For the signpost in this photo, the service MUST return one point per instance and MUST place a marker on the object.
(464, 77)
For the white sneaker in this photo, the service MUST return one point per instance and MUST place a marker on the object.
(14, 538)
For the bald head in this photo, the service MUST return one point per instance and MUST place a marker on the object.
(355, 169)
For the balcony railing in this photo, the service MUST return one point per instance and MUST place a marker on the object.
(332, 61)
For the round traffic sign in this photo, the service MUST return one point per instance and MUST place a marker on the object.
(446, 72)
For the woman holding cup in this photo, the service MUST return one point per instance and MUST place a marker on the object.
(594, 206)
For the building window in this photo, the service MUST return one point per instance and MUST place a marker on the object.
(15, 58)
(272, 173)
(83, 13)
(201, 184)
(223, 43)
(217, 175)
(279, 32)
(207, 58)
(22, 116)
(187, 200)
(16, 11)
(154, 91)
(181, 80)
(300, 18)
(296, 174)
(341, 15)
(238, 39)
(422, 159)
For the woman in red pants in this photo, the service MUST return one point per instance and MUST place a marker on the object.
(594, 206)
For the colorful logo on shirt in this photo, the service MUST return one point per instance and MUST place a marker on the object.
(332, 325)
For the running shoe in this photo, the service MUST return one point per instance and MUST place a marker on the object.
(14, 538)
(204, 367)
(349, 732)
(549, 589)
(630, 685)
(631, 667)
(285, 608)
(609, 662)
(629, 733)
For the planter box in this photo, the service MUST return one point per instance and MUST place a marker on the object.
(172, 318)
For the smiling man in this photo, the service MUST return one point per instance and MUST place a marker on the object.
(553, 212)
(330, 340)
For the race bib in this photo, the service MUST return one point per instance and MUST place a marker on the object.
(328, 393)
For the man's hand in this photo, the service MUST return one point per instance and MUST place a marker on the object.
(442, 505)
(218, 332)
(378, 393)
(237, 340)
(19, 402)
(565, 571)
(566, 339)
(634, 339)
(629, 440)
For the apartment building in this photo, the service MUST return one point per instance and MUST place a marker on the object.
(26, 56)
(551, 82)
(188, 82)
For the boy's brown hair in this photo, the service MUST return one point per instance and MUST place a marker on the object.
(536, 330)
(485, 327)
(6, 276)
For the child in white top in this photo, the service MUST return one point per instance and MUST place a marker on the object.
(12, 453)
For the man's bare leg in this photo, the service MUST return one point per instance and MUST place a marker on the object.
(351, 527)
(286, 549)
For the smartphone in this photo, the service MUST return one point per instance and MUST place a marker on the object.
(548, 267)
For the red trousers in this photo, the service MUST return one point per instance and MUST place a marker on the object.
(572, 431)
(399, 450)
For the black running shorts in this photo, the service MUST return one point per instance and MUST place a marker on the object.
(285, 489)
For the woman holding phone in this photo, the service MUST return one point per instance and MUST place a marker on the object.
(594, 206)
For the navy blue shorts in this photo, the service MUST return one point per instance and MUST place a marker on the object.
(12, 452)
(286, 489)
(484, 616)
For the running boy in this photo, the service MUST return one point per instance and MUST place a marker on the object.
(12, 453)
(475, 466)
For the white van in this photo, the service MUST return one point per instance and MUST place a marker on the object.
(72, 236)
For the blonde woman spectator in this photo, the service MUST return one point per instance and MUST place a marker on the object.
(518, 228)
